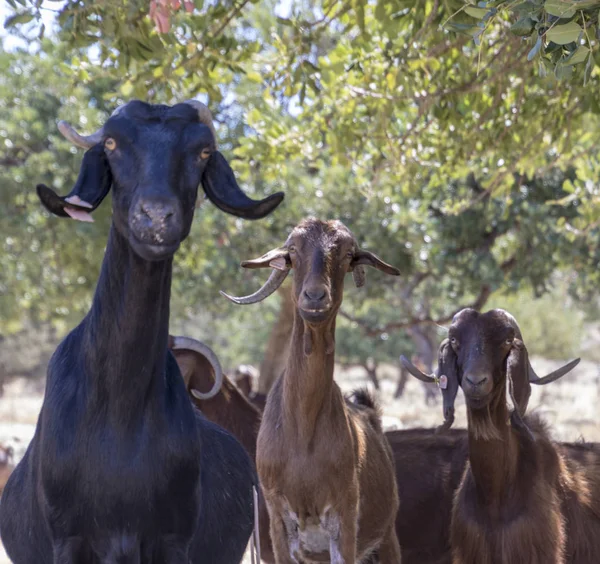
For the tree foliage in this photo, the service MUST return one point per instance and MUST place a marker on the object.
(441, 146)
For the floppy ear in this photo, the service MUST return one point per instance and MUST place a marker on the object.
(517, 365)
(221, 188)
(93, 183)
(447, 373)
(366, 258)
(518, 388)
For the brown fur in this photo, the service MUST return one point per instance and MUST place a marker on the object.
(520, 499)
(319, 459)
(6, 465)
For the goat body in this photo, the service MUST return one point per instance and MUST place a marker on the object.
(521, 498)
(121, 467)
(325, 467)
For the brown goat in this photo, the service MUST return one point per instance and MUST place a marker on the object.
(522, 498)
(7, 465)
(325, 467)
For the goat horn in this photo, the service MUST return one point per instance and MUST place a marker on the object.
(416, 372)
(208, 353)
(85, 141)
(275, 280)
(204, 115)
(553, 376)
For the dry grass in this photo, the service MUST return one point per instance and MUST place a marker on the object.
(570, 406)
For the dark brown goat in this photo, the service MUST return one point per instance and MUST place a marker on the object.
(325, 467)
(522, 497)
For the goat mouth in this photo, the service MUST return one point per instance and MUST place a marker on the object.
(314, 315)
(477, 402)
(153, 252)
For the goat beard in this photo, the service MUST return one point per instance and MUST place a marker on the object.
(481, 424)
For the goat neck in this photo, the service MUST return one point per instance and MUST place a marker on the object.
(493, 451)
(126, 330)
(308, 377)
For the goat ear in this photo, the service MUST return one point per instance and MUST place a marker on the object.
(92, 186)
(222, 189)
(277, 258)
(367, 258)
(448, 377)
(517, 365)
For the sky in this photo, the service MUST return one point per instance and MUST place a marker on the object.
(11, 42)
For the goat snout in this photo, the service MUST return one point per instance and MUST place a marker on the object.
(477, 380)
(156, 222)
(315, 294)
(477, 387)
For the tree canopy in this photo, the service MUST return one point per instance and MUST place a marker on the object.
(457, 140)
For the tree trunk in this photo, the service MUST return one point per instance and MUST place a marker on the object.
(277, 346)
(371, 367)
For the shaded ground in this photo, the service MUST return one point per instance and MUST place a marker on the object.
(568, 405)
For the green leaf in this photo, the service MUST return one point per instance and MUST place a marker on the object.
(588, 69)
(562, 71)
(559, 8)
(578, 56)
(536, 48)
(127, 88)
(19, 18)
(563, 34)
(523, 26)
(477, 13)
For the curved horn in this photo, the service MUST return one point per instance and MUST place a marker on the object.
(204, 115)
(208, 353)
(553, 376)
(416, 372)
(84, 141)
(275, 280)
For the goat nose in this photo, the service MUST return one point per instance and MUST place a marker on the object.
(476, 381)
(157, 212)
(315, 294)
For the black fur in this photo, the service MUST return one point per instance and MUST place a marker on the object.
(121, 468)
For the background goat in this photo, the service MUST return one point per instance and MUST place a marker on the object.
(522, 498)
(325, 467)
(121, 467)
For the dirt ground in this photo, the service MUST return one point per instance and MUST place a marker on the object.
(569, 405)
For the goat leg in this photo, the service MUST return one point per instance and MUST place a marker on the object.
(389, 549)
(343, 528)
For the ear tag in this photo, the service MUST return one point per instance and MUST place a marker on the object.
(279, 264)
(443, 382)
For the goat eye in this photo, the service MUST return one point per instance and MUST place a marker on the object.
(350, 254)
(204, 154)
(509, 341)
(453, 341)
(291, 250)
(110, 144)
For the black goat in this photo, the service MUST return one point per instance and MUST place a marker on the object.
(522, 498)
(121, 467)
